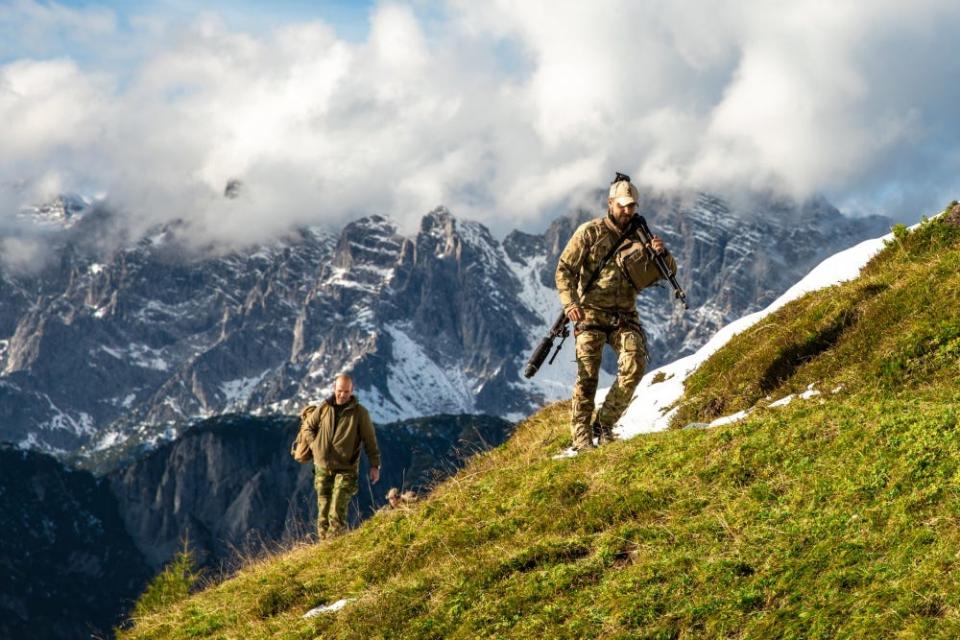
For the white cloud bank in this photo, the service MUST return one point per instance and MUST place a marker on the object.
(501, 110)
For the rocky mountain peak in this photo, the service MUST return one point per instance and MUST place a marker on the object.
(370, 241)
(439, 223)
(438, 235)
(64, 211)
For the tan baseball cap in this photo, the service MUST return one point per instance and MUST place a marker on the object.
(624, 193)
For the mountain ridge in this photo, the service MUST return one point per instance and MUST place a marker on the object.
(450, 308)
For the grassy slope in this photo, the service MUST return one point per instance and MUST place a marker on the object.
(831, 517)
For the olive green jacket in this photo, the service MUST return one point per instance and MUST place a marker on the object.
(337, 447)
(621, 279)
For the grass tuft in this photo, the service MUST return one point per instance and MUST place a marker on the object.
(171, 586)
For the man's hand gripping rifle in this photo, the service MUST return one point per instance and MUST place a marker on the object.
(558, 330)
(646, 237)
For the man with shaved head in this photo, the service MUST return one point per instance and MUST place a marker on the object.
(337, 430)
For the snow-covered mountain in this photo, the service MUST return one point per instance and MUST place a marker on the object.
(120, 346)
(62, 212)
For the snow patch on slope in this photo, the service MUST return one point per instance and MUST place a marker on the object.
(650, 409)
(328, 608)
(416, 384)
(81, 424)
(237, 392)
(419, 385)
(110, 439)
(139, 354)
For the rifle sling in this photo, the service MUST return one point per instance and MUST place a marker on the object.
(631, 227)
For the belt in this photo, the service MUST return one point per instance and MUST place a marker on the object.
(619, 321)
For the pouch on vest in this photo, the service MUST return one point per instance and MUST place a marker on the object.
(635, 264)
(300, 449)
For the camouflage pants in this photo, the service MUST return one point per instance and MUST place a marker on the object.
(335, 489)
(630, 345)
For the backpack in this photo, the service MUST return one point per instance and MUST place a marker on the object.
(635, 263)
(300, 449)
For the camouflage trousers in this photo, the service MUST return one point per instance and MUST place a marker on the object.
(627, 339)
(335, 490)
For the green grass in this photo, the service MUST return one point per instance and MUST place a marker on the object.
(895, 327)
(835, 517)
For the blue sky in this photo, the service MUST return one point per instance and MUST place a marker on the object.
(350, 19)
(349, 16)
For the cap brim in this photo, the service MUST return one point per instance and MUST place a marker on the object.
(624, 201)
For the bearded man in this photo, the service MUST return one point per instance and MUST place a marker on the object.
(606, 313)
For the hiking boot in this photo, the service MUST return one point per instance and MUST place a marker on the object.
(581, 439)
(606, 434)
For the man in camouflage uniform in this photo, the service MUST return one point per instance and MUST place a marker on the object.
(337, 429)
(607, 312)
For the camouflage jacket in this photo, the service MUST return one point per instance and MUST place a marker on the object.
(621, 279)
(336, 447)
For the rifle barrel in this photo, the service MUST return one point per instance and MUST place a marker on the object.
(646, 236)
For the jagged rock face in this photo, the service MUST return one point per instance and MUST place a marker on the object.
(68, 569)
(424, 324)
(148, 335)
(458, 299)
(224, 484)
(112, 348)
(127, 347)
(231, 485)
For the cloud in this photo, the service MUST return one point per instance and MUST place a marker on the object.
(503, 111)
(21, 254)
